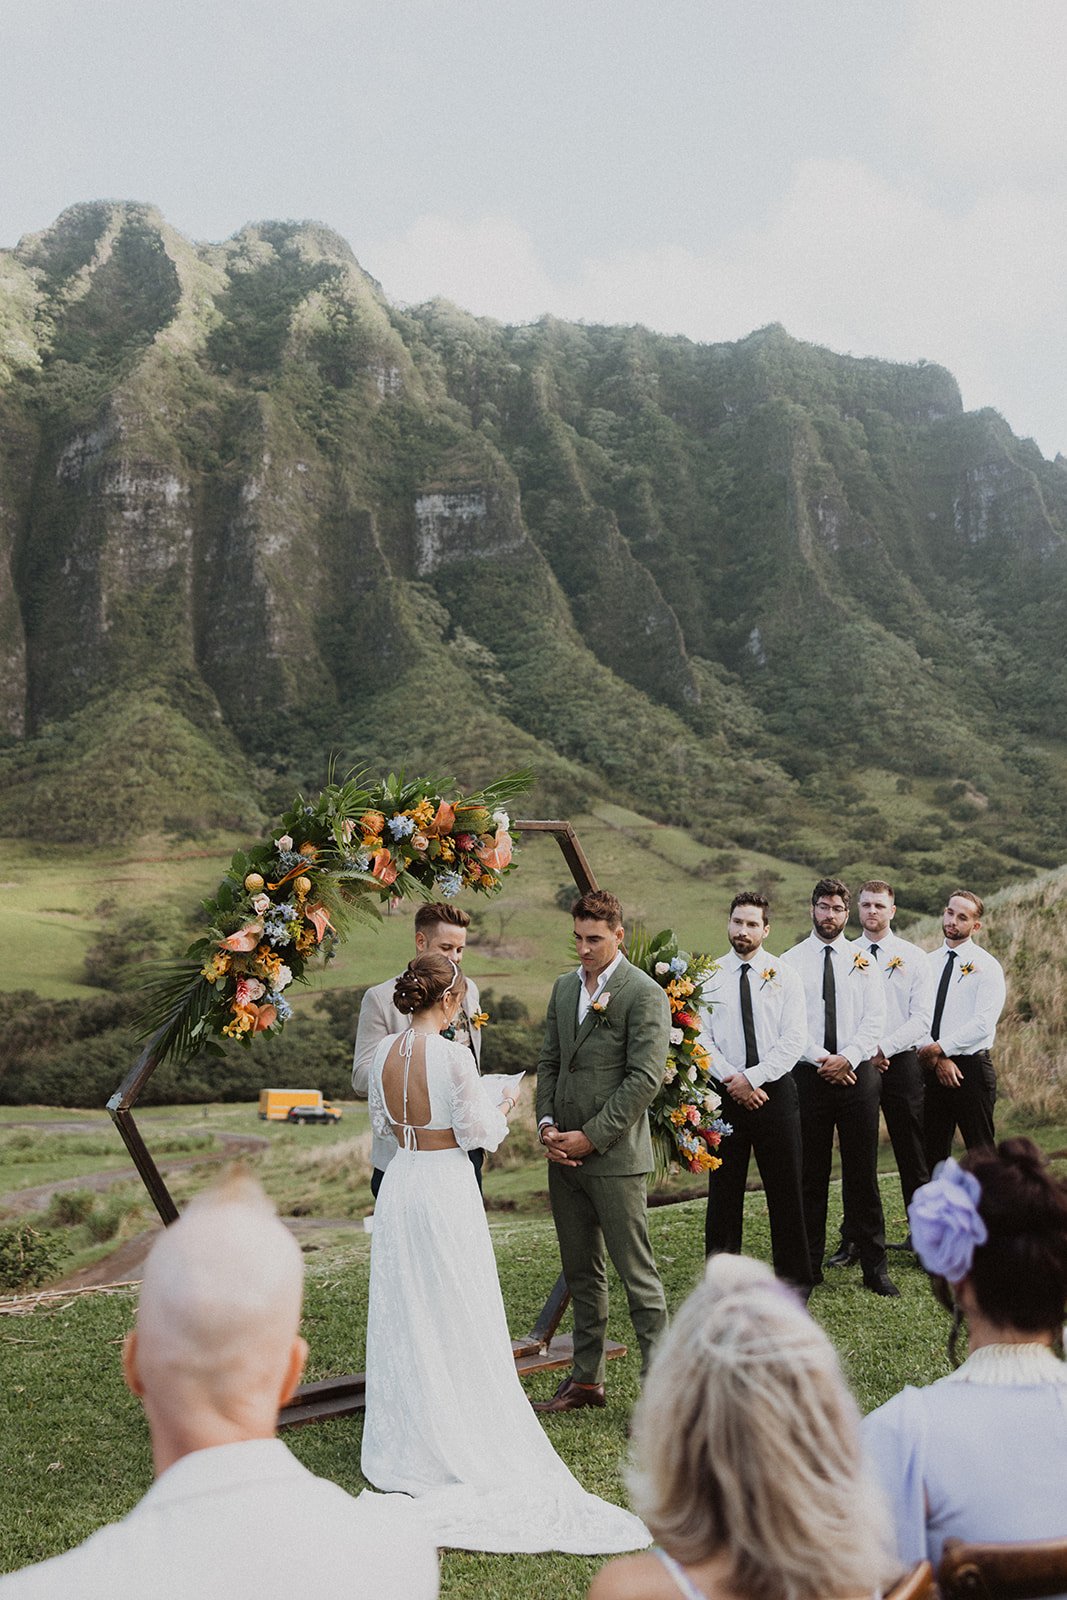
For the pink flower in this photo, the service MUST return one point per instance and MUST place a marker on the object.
(348, 828)
(465, 841)
(249, 989)
(319, 918)
(285, 842)
(244, 939)
(419, 841)
(260, 903)
(692, 1113)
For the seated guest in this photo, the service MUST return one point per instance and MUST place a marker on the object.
(232, 1513)
(748, 1466)
(982, 1454)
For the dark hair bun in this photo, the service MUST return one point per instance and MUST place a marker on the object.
(424, 982)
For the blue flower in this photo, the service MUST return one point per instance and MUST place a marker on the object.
(945, 1224)
(449, 883)
(281, 1005)
(290, 859)
(279, 925)
(361, 862)
(401, 827)
(678, 966)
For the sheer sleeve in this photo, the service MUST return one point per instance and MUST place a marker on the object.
(476, 1122)
(379, 1117)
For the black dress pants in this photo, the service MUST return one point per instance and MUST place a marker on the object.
(773, 1134)
(903, 1096)
(969, 1108)
(851, 1109)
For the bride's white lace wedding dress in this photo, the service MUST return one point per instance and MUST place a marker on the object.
(447, 1419)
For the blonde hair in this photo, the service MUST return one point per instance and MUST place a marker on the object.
(746, 1443)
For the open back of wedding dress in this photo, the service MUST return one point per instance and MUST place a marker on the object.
(447, 1419)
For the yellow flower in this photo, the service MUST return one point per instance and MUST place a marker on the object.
(678, 1116)
(422, 814)
(478, 1019)
(966, 969)
(217, 967)
(860, 963)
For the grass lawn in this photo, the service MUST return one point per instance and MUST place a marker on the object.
(76, 1451)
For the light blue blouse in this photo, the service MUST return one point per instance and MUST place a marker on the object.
(980, 1455)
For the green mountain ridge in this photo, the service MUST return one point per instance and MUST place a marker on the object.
(251, 514)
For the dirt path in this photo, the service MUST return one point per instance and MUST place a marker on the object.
(23, 1201)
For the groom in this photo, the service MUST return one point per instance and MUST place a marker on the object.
(601, 1064)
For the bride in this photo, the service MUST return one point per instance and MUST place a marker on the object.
(447, 1419)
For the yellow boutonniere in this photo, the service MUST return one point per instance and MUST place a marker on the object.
(893, 965)
(768, 975)
(966, 970)
(860, 963)
(478, 1019)
(600, 1007)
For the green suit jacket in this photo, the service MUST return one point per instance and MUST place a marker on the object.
(601, 1078)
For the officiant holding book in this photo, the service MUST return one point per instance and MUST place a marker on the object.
(601, 1065)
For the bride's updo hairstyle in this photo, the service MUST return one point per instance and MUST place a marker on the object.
(746, 1445)
(1019, 1275)
(425, 981)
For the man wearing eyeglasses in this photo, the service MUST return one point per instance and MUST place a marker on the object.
(837, 1083)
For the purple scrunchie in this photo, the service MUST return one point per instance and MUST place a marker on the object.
(945, 1225)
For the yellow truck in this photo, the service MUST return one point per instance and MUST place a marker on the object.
(296, 1105)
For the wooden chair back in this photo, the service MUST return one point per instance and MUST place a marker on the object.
(1003, 1571)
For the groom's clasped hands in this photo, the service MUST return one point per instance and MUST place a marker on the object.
(565, 1148)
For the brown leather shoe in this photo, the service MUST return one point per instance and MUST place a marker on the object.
(571, 1396)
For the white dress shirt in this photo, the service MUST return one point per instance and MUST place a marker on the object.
(974, 1000)
(860, 992)
(585, 999)
(778, 1017)
(909, 994)
(243, 1522)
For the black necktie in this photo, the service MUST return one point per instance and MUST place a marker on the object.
(874, 951)
(829, 1001)
(751, 1050)
(942, 991)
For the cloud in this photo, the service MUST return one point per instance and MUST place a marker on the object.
(847, 258)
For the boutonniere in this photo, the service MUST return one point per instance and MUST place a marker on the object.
(860, 963)
(767, 976)
(599, 1009)
(894, 965)
(966, 970)
(478, 1020)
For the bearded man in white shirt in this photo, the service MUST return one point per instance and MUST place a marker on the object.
(756, 1029)
(837, 1085)
(232, 1514)
(969, 994)
(909, 999)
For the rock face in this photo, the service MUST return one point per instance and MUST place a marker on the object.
(239, 489)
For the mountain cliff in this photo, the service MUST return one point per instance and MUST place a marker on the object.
(251, 513)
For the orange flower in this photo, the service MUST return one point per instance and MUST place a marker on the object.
(496, 855)
(372, 822)
(383, 867)
(442, 821)
(265, 1015)
(244, 939)
(319, 918)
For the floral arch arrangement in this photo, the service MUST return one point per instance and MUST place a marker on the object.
(289, 898)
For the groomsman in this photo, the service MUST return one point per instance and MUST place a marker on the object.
(909, 1000)
(837, 1084)
(440, 929)
(961, 1085)
(756, 1029)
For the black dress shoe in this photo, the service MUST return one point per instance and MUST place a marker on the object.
(847, 1256)
(882, 1283)
(571, 1396)
(901, 1244)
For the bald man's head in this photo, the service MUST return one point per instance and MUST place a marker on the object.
(218, 1318)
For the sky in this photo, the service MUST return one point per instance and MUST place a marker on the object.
(884, 177)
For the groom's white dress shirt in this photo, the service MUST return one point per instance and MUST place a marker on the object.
(243, 1522)
(777, 1015)
(860, 993)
